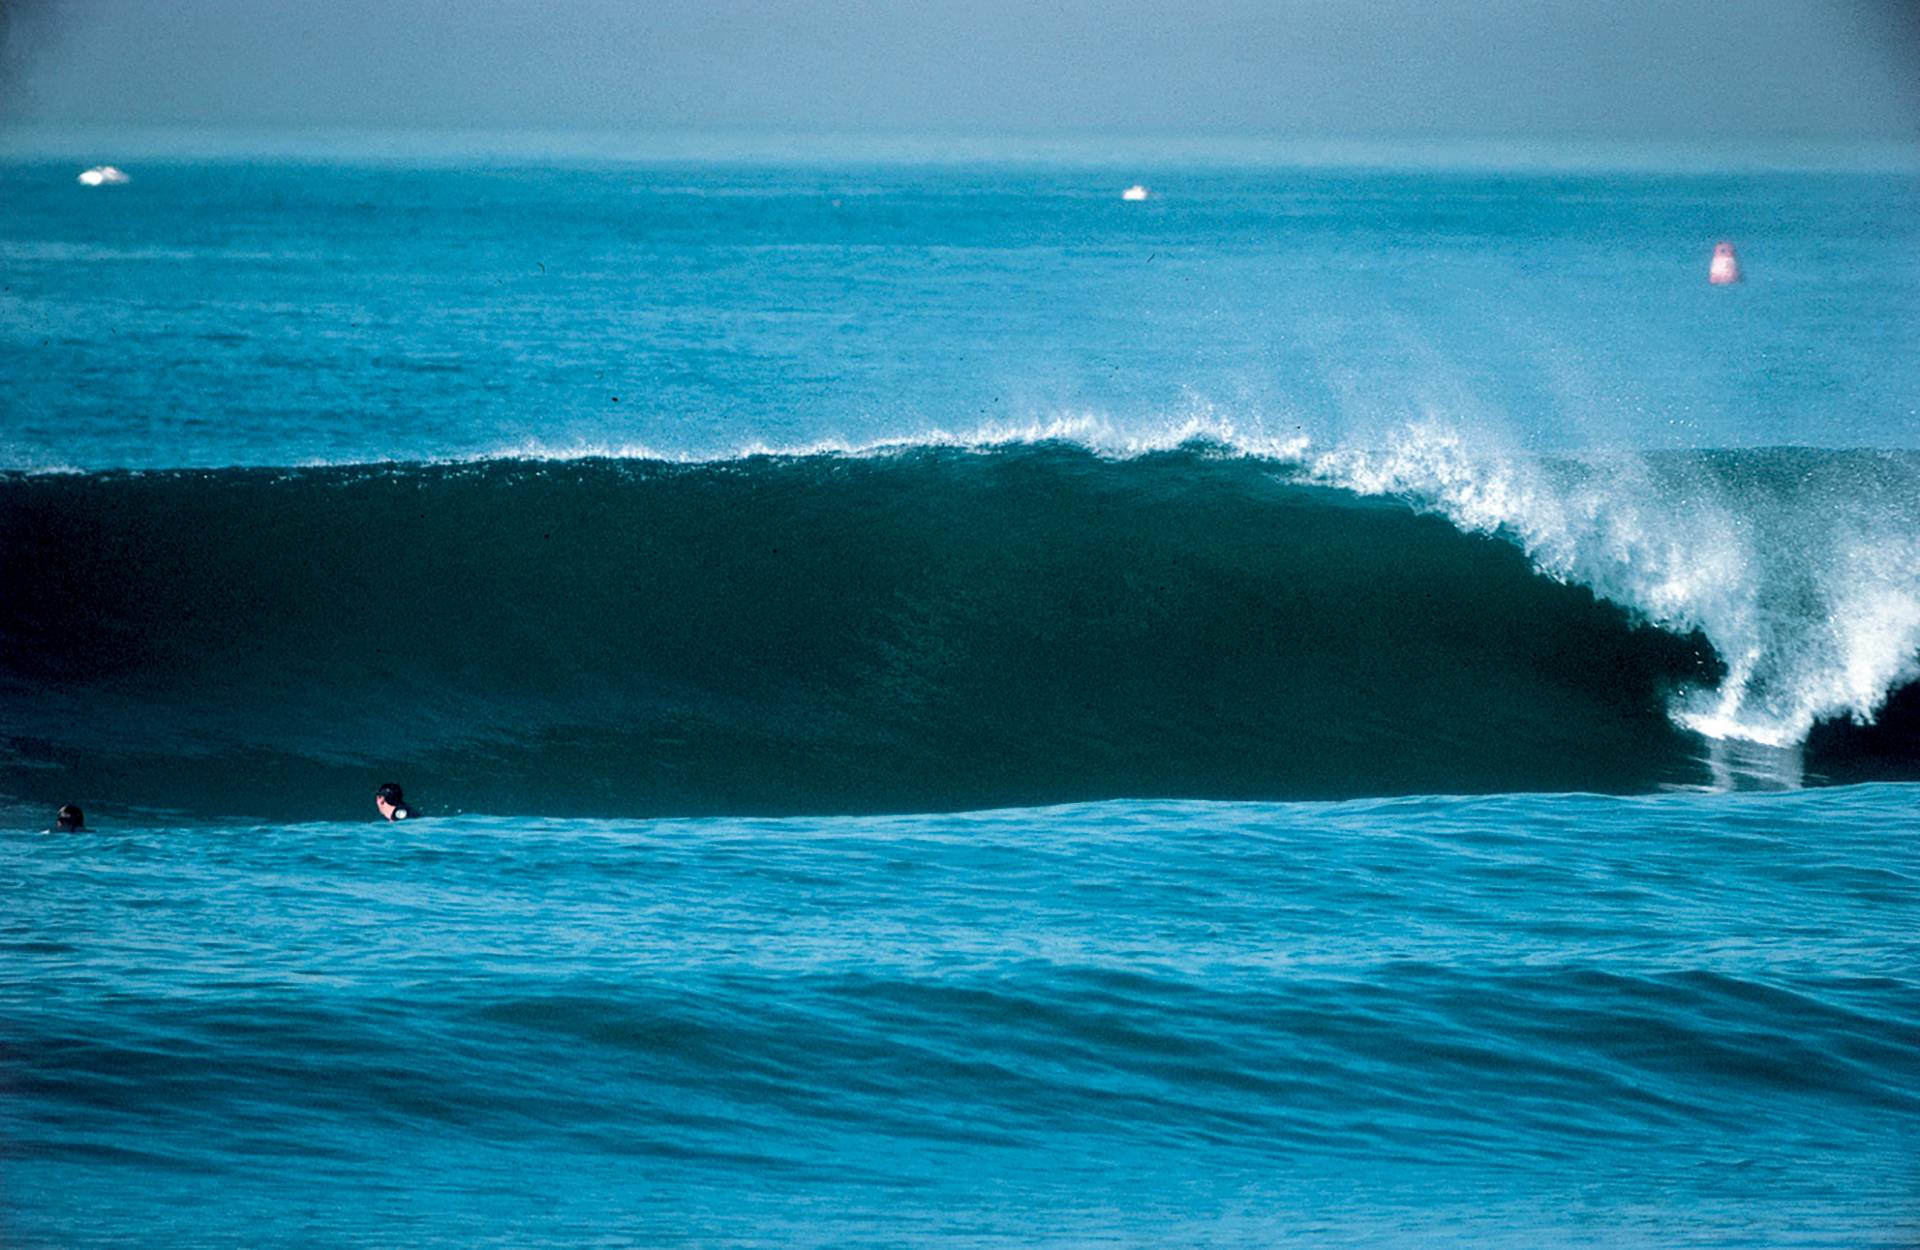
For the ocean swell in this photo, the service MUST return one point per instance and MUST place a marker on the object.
(929, 628)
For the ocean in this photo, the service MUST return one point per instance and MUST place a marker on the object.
(1352, 701)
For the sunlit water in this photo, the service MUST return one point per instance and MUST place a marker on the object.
(644, 496)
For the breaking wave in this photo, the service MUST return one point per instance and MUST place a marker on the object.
(1015, 617)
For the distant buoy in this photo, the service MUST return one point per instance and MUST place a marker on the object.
(1136, 192)
(1725, 268)
(103, 176)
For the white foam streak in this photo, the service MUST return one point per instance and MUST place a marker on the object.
(1091, 431)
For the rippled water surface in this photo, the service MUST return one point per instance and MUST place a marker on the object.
(1552, 1020)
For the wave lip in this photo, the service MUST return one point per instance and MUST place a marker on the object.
(1801, 567)
(1093, 432)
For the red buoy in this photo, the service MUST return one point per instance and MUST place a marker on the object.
(1726, 267)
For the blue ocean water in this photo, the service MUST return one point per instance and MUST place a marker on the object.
(1343, 703)
(259, 312)
(1532, 1020)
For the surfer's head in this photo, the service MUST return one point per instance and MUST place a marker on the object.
(69, 819)
(392, 803)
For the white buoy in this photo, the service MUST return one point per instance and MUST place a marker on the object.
(1725, 269)
(103, 176)
(1134, 193)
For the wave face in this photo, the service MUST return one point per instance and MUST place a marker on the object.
(917, 630)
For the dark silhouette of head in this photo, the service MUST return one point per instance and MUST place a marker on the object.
(391, 802)
(70, 819)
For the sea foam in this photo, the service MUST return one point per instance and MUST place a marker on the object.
(1801, 568)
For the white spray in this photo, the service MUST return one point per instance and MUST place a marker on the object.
(1802, 569)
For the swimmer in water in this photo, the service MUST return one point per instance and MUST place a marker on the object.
(392, 803)
(70, 819)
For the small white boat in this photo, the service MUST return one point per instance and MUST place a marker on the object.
(1725, 269)
(103, 176)
(1134, 193)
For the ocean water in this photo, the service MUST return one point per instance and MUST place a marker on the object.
(1343, 704)
(1683, 1020)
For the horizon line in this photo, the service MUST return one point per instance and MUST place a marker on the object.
(96, 142)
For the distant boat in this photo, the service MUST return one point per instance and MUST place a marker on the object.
(1725, 269)
(1135, 192)
(103, 176)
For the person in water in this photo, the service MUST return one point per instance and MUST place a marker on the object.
(69, 819)
(392, 803)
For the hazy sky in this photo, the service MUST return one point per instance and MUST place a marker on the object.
(1527, 69)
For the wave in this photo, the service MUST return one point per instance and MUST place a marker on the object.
(1004, 622)
(1801, 565)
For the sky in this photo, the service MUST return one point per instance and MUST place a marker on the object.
(1611, 70)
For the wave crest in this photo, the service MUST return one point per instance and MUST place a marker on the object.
(1802, 567)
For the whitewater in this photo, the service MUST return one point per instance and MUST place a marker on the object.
(1344, 703)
